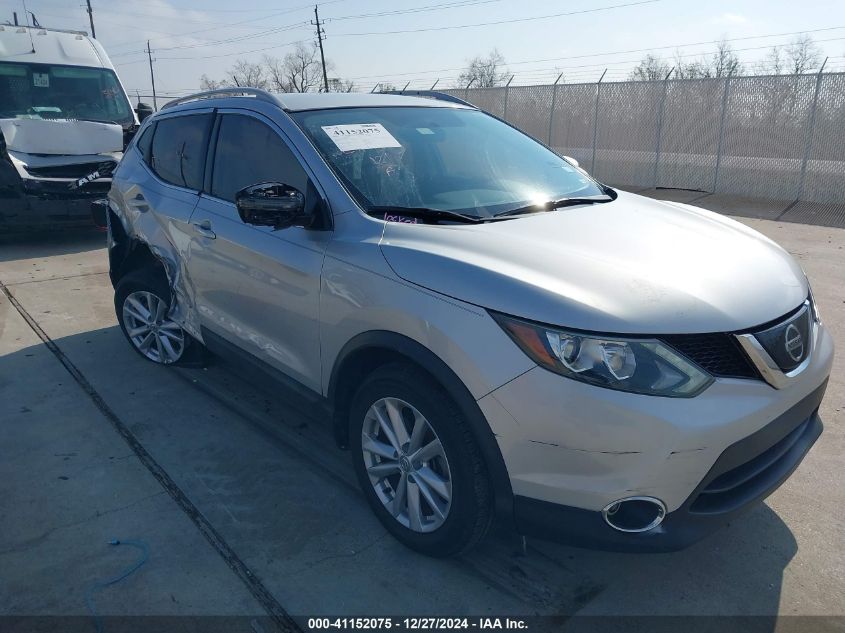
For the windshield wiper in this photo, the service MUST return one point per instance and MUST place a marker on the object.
(90, 119)
(424, 213)
(551, 205)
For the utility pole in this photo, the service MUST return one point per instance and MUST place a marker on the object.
(91, 19)
(320, 34)
(152, 76)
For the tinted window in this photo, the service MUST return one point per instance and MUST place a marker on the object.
(250, 152)
(145, 141)
(178, 151)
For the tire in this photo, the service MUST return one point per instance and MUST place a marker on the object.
(445, 524)
(168, 343)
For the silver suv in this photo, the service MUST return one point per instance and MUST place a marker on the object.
(495, 333)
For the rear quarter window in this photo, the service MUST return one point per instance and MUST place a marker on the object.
(145, 142)
(178, 149)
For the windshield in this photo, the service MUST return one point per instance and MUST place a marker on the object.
(44, 91)
(448, 159)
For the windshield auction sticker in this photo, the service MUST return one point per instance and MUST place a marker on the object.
(360, 136)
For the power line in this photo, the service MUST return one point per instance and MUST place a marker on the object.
(232, 40)
(216, 28)
(592, 70)
(434, 7)
(622, 52)
(288, 27)
(254, 50)
(448, 5)
(239, 38)
(498, 22)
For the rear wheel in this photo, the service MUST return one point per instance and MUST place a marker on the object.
(418, 463)
(142, 305)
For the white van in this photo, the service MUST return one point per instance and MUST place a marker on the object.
(64, 122)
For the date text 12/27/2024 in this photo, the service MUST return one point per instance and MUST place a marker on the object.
(417, 624)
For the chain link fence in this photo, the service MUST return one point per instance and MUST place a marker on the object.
(777, 137)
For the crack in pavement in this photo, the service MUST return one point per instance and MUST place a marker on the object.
(64, 278)
(280, 617)
(37, 540)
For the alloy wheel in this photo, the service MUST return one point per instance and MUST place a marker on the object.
(406, 465)
(148, 327)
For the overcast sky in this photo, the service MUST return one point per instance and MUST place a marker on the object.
(383, 40)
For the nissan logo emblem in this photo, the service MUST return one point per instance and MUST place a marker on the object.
(794, 342)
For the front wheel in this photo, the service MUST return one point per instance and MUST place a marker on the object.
(418, 463)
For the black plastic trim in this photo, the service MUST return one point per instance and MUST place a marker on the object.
(242, 358)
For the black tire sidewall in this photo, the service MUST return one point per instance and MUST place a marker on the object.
(469, 478)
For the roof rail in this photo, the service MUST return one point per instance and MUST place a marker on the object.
(431, 94)
(258, 93)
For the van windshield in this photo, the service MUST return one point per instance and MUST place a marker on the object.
(45, 91)
(445, 159)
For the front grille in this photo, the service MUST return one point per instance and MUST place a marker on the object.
(788, 342)
(77, 170)
(739, 485)
(718, 354)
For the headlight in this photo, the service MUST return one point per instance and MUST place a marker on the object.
(814, 309)
(644, 366)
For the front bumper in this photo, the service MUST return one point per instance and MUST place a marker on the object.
(43, 205)
(34, 202)
(571, 449)
(745, 473)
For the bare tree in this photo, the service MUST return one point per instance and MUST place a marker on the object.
(724, 61)
(721, 63)
(336, 84)
(651, 68)
(484, 72)
(245, 74)
(386, 86)
(207, 83)
(299, 71)
(689, 69)
(774, 62)
(802, 55)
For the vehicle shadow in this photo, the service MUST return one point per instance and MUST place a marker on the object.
(736, 572)
(17, 245)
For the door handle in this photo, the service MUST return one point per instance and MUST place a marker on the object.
(203, 227)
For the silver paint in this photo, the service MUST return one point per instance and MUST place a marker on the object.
(296, 297)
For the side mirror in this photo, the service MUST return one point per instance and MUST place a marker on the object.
(272, 204)
(143, 110)
(571, 161)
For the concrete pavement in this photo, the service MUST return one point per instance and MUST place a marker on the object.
(263, 471)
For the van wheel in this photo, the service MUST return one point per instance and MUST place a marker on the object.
(418, 463)
(142, 303)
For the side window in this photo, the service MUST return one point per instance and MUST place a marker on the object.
(250, 152)
(145, 142)
(178, 149)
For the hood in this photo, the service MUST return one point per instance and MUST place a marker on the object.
(634, 266)
(61, 136)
